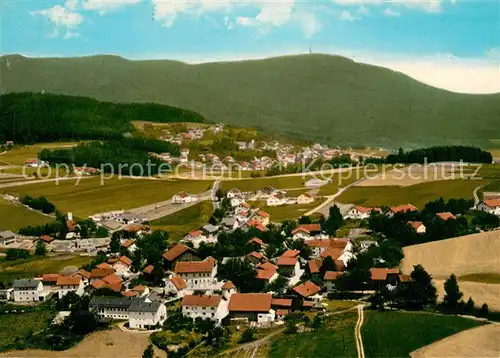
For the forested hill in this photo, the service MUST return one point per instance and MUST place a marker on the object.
(317, 97)
(36, 117)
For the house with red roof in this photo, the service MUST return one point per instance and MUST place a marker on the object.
(276, 199)
(183, 197)
(122, 266)
(67, 284)
(384, 276)
(176, 286)
(491, 206)
(306, 290)
(267, 272)
(262, 217)
(401, 209)
(446, 216)
(418, 226)
(288, 263)
(257, 244)
(305, 198)
(228, 288)
(179, 252)
(212, 307)
(197, 274)
(251, 307)
(329, 279)
(361, 212)
(306, 231)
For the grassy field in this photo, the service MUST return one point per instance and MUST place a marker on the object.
(37, 266)
(338, 305)
(15, 327)
(13, 217)
(184, 221)
(89, 196)
(336, 339)
(481, 277)
(417, 195)
(396, 334)
(19, 154)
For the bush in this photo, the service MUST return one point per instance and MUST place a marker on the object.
(41, 204)
(247, 336)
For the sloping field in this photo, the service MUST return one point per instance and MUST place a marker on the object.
(103, 344)
(13, 217)
(477, 253)
(477, 342)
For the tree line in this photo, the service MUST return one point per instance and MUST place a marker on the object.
(130, 154)
(454, 153)
(35, 117)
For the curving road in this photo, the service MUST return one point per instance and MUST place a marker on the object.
(357, 333)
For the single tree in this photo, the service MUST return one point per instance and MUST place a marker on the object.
(40, 249)
(452, 294)
(148, 352)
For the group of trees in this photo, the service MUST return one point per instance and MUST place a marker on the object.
(41, 204)
(36, 117)
(126, 156)
(454, 304)
(454, 153)
(398, 227)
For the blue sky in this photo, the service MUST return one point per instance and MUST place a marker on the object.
(449, 44)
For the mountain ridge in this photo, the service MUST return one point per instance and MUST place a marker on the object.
(317, 97)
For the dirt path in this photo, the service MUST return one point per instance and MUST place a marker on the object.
(357, 332)
(476, 342)
(252, 346)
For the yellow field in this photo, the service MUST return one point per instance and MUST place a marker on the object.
(417, 195)
(89, 196)
(471, 254)
(476, 342)
(477, 253)
(109, 343)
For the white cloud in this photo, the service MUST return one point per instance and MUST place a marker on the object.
(61, 18)
(363, 11)
(347, 16)
(309, 22)
(71, 4)
(166, 11)
(427, 5)
(391, 13)
(104, 6)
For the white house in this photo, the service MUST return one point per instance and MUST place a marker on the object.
(288, 263)
(316, 183)
(228, 289)
(234, 192)
(145, 314)
(306, 231)
(28, 290)
(35, 163)
(305, 198)
(276, 199)
(7, 237)
(237, 201)
(183, 197)
(360, 212)
(67, 284)
(122, 266)
(318, 246)
(197, 274)
(491, 206)
(261, 217)
(213, 307)
(129, 245)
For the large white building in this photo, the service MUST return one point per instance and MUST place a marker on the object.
(28, 290)
(141, 313)
(145, 314)
(213, 307)
(67, 284)
(360, 212)
(197, 274)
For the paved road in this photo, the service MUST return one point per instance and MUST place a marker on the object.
(476, 197)
(332, 197)
(164, 208)
(357, 333)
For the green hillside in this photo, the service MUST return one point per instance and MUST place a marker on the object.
(316, 97)
(37, 117)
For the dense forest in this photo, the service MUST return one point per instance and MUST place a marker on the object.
(36, 117)
(118, 153)
(453, 153)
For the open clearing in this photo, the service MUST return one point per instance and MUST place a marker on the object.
(18, 155)
(471, 254)
(335, 339)
(184, 221)
(90, 197)
(13, 217)
(477, 342)
(103, 344)
(396, 334)
(37, 266)
(287, 212)
(418, 194)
